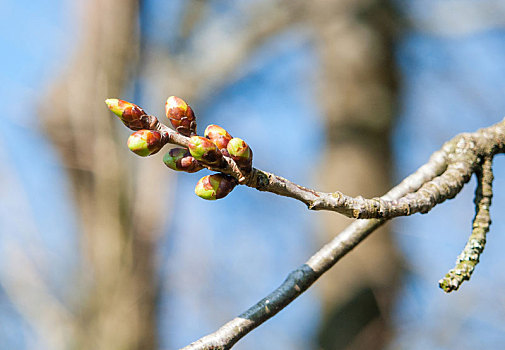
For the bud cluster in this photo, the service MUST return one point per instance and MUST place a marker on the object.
(208, 151)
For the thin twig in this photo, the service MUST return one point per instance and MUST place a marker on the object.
(462, 162)
(469, 257)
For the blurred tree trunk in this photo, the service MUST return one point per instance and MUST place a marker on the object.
(117, 291)
(357, 93)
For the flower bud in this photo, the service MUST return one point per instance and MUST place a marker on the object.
(181, 116)
(212, 187)
(180, 159)
(145, 142)
(241, 153)
(218, 135)
(204, 150)
(130, 114)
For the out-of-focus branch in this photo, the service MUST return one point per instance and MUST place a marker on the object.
(456, 18)
(216, 53)
(24, 268)
(264, 22)
(194, 11)
(34, 300)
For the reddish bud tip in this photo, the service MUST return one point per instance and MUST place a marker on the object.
(212, 187)
(145, 142)
(241, 153)
(218, 135)
(181, 116)
(180, 159)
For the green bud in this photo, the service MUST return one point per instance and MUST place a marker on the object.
(218, 135)
(205, 150)
(217, 186)
(145, 142)
(180, 159)
(181, 116)
(241, 153)
(130, 114)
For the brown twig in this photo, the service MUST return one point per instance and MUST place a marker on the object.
(462, 162)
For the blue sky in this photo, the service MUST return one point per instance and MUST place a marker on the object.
(450, 84)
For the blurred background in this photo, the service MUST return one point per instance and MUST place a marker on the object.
(100, 249)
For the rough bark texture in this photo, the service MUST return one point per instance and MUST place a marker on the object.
(117, 291)
(357, 94)
(469, 258)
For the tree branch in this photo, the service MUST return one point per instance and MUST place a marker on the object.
(462, 161)
(204, 66)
